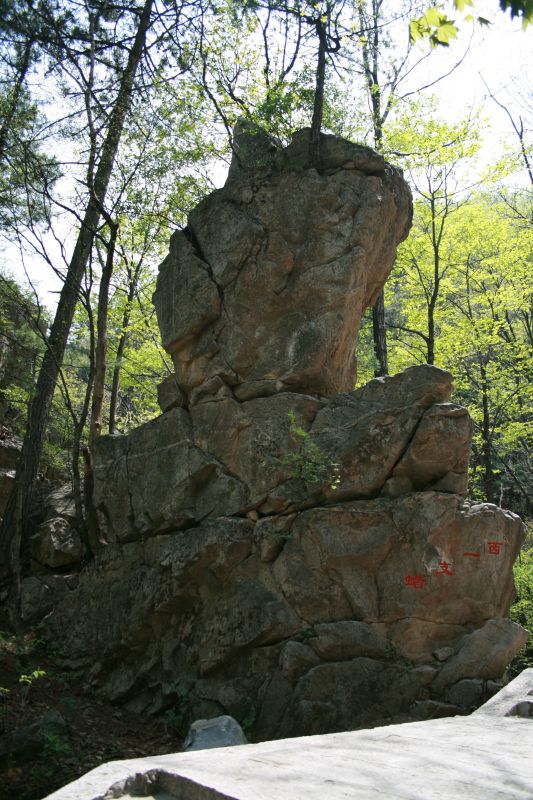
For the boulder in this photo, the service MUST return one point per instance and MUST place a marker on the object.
(484, 653)
(347, 639)
(59, 502)
(224, 457)
(204, 734)
(132, 499)
(57, 544)
(10, 448)
(315, 244)
(438, 453)
(169, 394)
(367, 431)
(466, 693)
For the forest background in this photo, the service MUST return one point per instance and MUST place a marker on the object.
(114, 120)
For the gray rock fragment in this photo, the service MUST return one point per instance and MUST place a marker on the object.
(205, 734)
(466, 693)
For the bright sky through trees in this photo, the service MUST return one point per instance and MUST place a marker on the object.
(499, 57)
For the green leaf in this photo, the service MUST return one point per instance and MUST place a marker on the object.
(415, 32)
(432, 16)
(446, 32)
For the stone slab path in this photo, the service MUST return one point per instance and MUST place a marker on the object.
(485, 756)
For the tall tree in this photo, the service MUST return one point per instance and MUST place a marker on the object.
(15, 522)
(385, 65)
(440, 154)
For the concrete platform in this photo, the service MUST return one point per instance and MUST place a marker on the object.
(485, 756)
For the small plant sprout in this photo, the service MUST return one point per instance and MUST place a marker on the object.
(307, 460)
(27, 680)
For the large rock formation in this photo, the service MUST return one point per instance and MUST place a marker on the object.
(265, 288)
(282, 548)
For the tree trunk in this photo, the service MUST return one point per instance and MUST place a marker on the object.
(431, 334)
(318, 105)
(486, 448)
(100, 360)
(371, 51)
(13, 532)
(380, 336)
(113, 401)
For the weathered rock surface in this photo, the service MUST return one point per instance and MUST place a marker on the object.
(312, 246)
(282, 548)
(323, 635)
(225, 457)
(10, 447)
(57, 544)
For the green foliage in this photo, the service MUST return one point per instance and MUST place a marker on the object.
(27, 173)
(55, 746)
(307, 460)
(460, 297)
(247, 721)
(433, 25)
(522, 609)
(308, 633)
(22, 326)
(436, 27)
(27, 679)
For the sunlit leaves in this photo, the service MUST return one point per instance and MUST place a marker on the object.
(434, 26)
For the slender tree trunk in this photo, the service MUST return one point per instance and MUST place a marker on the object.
(318, 105)
(431, 334)
(13, 531)
(370, 51)
(100, 360)
(486, 449)
(380, 336)
(113, 401)
(77, 480)
(378, 311)
(78, 484)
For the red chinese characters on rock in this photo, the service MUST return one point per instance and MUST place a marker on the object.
(444, 569)
(415, 581)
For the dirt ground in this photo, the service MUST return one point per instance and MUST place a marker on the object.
(87, 733)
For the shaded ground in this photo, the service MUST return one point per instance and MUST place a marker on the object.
(71, 730)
